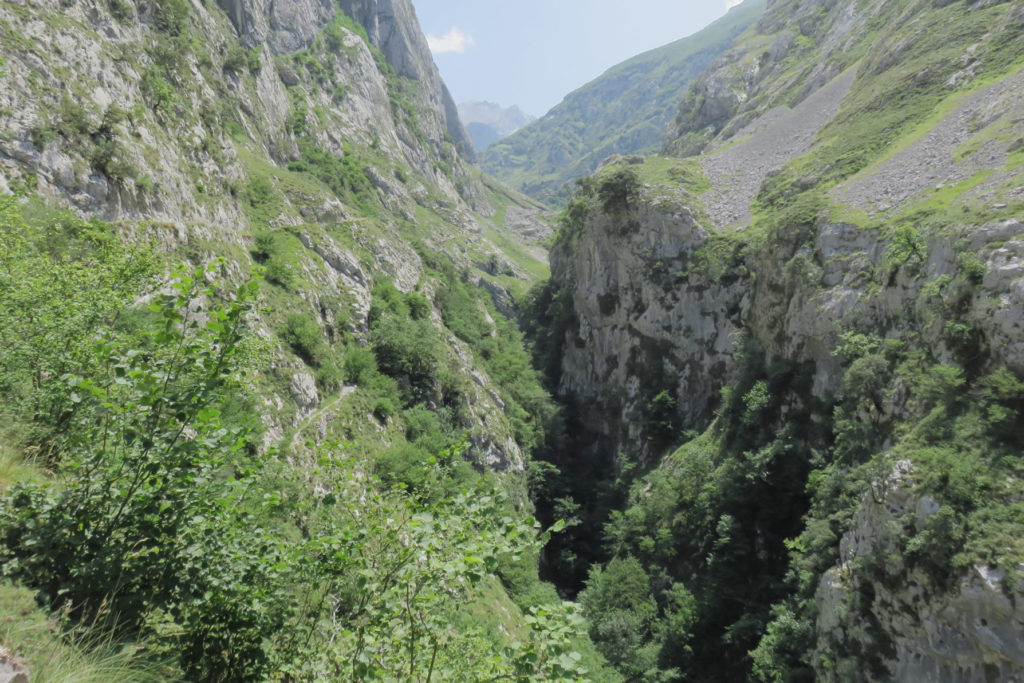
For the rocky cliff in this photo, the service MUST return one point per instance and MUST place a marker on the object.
(839, 227)
(323, 129)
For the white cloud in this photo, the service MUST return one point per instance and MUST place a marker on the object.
(729, 4)
(453, 41)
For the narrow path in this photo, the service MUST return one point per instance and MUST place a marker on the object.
(346, 390)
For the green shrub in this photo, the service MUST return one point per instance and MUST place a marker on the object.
(305, 338)
(64, 278)
(410, 352)
(107, 156)
(239, 60)
(619, 190)
(418, 305)
(171, 16)
(423, 427)
(260, 191)
(121, 10)
(406, 464)
(346, 175)
(383, 409)
(156, 88)
(134, 528)
(360, 364)
(42, 135)
(279, 273)
(621, 611)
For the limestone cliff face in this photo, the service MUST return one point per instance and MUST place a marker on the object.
(288, 26)
(259, 95)
(655, 311)
(393, 27)
(639, 331)
(846, 168)
(199, 126)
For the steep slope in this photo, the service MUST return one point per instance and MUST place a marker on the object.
(804, 330)
(624, 111)
(329, 149)
(256, 480)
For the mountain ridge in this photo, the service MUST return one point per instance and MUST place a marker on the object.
(488, 122)
(623, 111)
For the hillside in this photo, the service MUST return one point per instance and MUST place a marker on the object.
(264, 414)
(791, 354)
(623, 111)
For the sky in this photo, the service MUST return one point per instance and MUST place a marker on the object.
(532, 53)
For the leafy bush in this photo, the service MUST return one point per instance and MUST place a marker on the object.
(346, 176)
(171, 15)
(239, 60)
(410, 352)
(139, 523)
(383, 409)
(305, 337)
(621, 611)
(360, 364)
(156, 88)
(61, 278)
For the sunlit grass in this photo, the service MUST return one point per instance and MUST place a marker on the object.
(53, 657)
(14, 468)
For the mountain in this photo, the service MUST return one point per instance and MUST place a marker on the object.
(487, 121)
(790, 351)
(624, 111)
(265, 413)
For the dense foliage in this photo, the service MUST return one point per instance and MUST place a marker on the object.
(165, 524)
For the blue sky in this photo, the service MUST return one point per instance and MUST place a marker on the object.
(534, 52)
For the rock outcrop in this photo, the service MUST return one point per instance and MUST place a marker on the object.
(877, 598)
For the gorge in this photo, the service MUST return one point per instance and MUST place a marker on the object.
(286, 378)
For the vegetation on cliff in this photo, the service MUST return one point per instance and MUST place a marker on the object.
(816, 496)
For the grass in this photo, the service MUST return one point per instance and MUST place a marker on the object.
(14, 469)
(51, 657)
(268, 187)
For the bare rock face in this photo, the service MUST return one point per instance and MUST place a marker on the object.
(645, 324)
(653, 315)
(392, 26)
(12, 670)
(286, 25)
(304, 391)
(291, 25)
